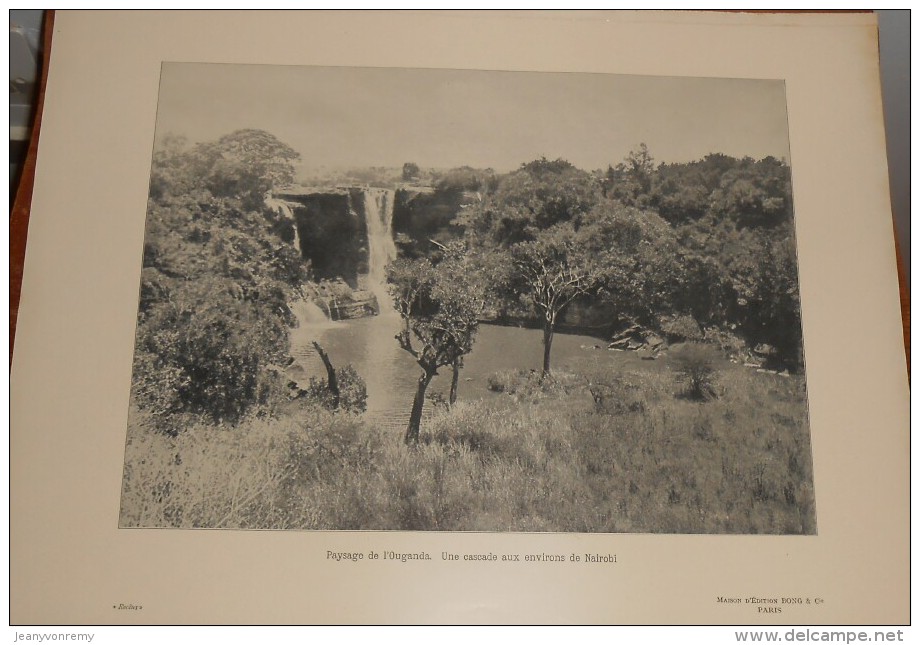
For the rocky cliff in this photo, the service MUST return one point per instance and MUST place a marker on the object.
(332, 231)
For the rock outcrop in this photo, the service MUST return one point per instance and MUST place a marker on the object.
(362, 304)
(647, 344)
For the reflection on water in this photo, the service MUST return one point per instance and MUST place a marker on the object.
(391, 374)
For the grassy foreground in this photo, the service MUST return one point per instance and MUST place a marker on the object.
(641, 458)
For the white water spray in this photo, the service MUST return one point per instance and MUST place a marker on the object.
(285, 209)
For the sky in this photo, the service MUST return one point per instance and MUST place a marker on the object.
(342, 117)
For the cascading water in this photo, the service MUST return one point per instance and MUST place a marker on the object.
(382, 354)
(308, 312)
(365, 343)
(285, 209)
(381, 249)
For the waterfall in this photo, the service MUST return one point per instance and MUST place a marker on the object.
(285, 209)
(381, 249)
(308, 312)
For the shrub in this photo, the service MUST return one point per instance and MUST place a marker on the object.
(731, 344)
(694, 364)
(506, 381)
(437, 400)
(614, 393)
(327, 447)
(527, 384)
(681, 328)
(352, 391)
(206, 351)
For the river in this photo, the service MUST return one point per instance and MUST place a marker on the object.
(391, 374)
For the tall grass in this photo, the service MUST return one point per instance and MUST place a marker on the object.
(545, 457)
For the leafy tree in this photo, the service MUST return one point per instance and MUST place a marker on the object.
(552, 271)
(630, 181)
(244, 165)
(526, 235)
(352, 395)
(637, 258)
(472, 279)
(535, 197)
(681, 192)
(645, 275)
(247, 164)
(440, 322)
(410, 171)
(755, 193)
(739, 254)
(733, 221)
(204, 351)
(679, 198)
(766, 307)
(710, 241)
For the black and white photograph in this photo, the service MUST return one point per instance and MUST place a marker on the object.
(407, 299)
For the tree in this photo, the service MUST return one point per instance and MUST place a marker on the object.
(630, 181)
(204, 351)
(247, 164)
(243, 165)
(538, 195)
(640, 165)
(755, 193)
(216, 280)
(440, 321)
(733, 218)
(641, 270)
(554, 270)
(461, 273)
(766, 307)
(410, 171)
(681, 192)
(528, 227)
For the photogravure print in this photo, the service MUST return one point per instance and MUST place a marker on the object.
(449, 300)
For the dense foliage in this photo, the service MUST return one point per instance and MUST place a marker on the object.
(708, 243)
(216, 280)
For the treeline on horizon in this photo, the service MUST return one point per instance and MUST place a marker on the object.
(699, 251)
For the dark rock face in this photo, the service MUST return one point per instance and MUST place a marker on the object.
(422, 215)
(332, 231)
